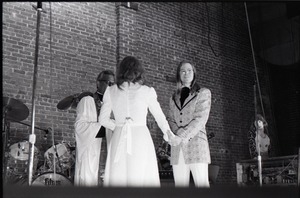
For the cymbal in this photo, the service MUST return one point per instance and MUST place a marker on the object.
(67, 102)
(14, 109)
(72, 101)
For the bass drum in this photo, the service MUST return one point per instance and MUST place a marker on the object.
(51, 179)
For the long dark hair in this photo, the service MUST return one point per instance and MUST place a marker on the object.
(194, 85)
(130, 70)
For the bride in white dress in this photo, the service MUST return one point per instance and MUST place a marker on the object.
(131, 159)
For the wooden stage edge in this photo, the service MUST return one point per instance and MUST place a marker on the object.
(222, 191)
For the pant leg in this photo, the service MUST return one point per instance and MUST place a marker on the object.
(181, 172)
(200, 174)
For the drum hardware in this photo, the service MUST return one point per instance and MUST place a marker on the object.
(20, 151)
(259, 164)
(32, 136)
(60, 156)
(61, 153)
(13, 110)
(45, 130)
(51, 179)
(67, 102)
(72, 100)
(17, 166)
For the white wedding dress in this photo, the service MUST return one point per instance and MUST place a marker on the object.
(131, 159)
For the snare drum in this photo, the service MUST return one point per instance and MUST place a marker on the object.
(18, 162)
(62, 155)
(20, 150)
(51, 179)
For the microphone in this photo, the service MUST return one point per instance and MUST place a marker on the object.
(46, 133)
(39, 5)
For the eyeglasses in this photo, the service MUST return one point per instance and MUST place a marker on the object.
(109, 83)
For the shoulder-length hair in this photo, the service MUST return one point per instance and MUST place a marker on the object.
(194, 85)
(130, 70)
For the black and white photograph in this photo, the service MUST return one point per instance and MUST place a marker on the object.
(150, 99)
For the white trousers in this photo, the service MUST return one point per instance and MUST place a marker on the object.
(181, 173)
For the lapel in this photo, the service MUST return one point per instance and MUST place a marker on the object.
(189, 99)
(176, 99)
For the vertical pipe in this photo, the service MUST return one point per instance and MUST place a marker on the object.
(32, 136)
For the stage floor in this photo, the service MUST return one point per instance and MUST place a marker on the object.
(222, 191)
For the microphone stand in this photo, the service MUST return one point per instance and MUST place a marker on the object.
(45, 130)
(257, 143)
(32, 136)
(255, 102)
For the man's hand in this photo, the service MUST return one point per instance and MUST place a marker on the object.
(182, 133)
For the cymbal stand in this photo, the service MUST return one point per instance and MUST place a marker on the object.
(45, 130)
(32, 136)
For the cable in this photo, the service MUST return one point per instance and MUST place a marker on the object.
(184, 31)
(254, 61)
(208, 34)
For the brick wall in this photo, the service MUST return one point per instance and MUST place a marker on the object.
(88, 37)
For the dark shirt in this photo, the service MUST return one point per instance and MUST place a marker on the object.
(101, 132)
(185, 91)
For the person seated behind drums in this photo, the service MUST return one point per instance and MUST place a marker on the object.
(87, 129)
(259, 140)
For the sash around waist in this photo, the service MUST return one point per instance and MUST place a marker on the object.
(130, 124)
(125, 143)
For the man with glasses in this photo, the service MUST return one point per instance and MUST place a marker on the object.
(89, 132)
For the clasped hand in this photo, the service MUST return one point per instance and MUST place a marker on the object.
(173, 139)
(183, 134)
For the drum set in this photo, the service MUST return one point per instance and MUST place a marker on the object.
(54, 167)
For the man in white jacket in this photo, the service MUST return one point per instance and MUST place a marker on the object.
(89, 132)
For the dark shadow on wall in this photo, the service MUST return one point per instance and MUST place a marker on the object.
(286, 102)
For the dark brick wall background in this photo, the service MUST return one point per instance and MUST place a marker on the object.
(88, 37)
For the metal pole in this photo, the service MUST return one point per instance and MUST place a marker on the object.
(257, 146)
(32, 136)
(254, 61)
